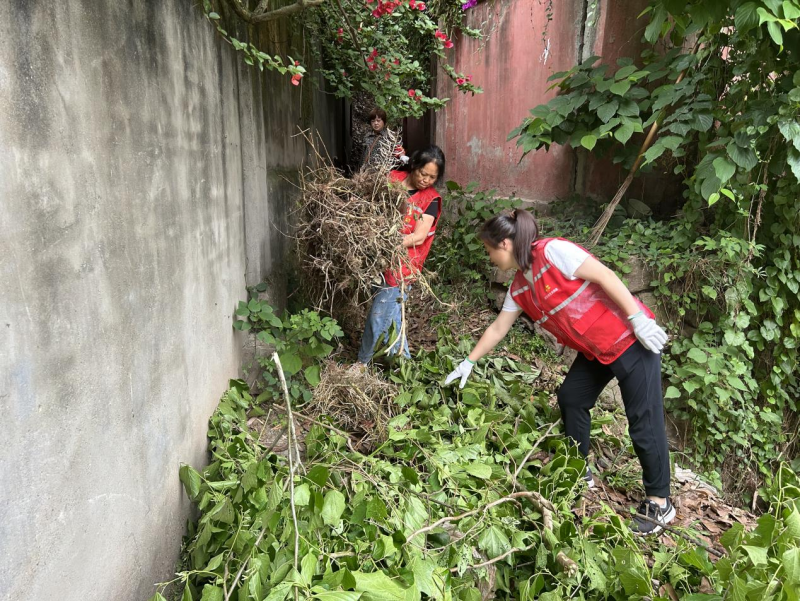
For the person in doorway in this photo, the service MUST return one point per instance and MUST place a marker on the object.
(424, 206)
(569, 293)
(381, 146)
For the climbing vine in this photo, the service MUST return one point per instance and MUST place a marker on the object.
(724, 101)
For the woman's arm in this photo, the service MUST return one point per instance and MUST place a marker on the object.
(594, 271)
(494, 334)
(420, 233)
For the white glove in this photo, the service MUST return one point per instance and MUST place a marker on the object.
(463, 371)
(650, 334)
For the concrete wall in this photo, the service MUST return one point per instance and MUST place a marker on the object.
(523, 49)
(140, 178)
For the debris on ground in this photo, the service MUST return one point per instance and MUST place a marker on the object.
(357, 401)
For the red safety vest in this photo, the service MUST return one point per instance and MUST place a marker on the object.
(416, 207)
(577, 312)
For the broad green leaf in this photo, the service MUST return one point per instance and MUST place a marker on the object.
(312, 375)
(775, 33)
(290, 363)
(608, 110)
(302, 494)
(672, 393)
(191, 480)
(793, 158)
(318, 475)
(790, 129)
(758, 555)
(157, 597)
(744, 157)
(337, 595)
(377, 586)
(212, 593)
(588, 141)
(279, 592)
(624, 132)
(696, 355)
(724, 169)
(187, 594)
(333, 507)
(479, 470)
(493, 542)
(746, 17)
(792, 522)
(791, 565)
(619, 88)
(414, 514)
(215, 562)
(790, 10)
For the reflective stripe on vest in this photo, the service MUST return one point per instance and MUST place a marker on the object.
(564, 303)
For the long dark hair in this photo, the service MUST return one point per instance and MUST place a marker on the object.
(518, 226)
(420, 158)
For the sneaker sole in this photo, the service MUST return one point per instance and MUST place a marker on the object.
(658, 528)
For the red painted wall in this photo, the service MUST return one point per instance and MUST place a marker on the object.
(523, 49)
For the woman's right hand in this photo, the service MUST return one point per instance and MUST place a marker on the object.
(463, 371)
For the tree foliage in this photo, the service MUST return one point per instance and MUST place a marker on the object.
(387, 48)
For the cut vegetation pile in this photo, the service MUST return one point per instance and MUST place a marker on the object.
(348, 234)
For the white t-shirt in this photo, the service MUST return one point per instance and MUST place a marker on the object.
(564, 256)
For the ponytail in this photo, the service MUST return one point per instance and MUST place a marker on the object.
(520, 227)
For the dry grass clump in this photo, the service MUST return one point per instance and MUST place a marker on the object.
(355, 399)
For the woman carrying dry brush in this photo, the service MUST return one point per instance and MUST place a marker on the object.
(423, 208)
(586, 307)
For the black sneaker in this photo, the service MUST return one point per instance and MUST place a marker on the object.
(589, 479)
(651, 518)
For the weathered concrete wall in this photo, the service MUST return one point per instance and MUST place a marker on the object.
(524, 48)
(140, 180)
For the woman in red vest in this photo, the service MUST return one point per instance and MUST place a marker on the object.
(569, 293)
(424, 206)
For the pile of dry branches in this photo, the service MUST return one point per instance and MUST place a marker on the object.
(357, 400)
(348, 234)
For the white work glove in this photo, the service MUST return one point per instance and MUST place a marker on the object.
(650, 334)
(463, 371)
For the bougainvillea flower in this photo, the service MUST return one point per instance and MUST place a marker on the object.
(412, 4)
(421, 6)
(460, 81)
(469, 4)
(412, 93)
(296, 79)
(440, 34)
(469, 77)
(397, 61)
(448, 44)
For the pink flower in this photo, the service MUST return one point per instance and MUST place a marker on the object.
(412, 4)
(440, 34)
(372, 66)
(469, 4)
(469, 77)
(397, 61)
(421, 6)
(412, 93)
(296, 79)
(460, 81)
(386, 76)
(448, 44)
(296, 63)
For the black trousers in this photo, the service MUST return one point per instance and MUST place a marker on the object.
(639, 374)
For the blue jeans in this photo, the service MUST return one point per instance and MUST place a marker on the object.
(384, 312)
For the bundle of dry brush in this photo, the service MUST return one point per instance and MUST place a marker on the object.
(348, 234)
